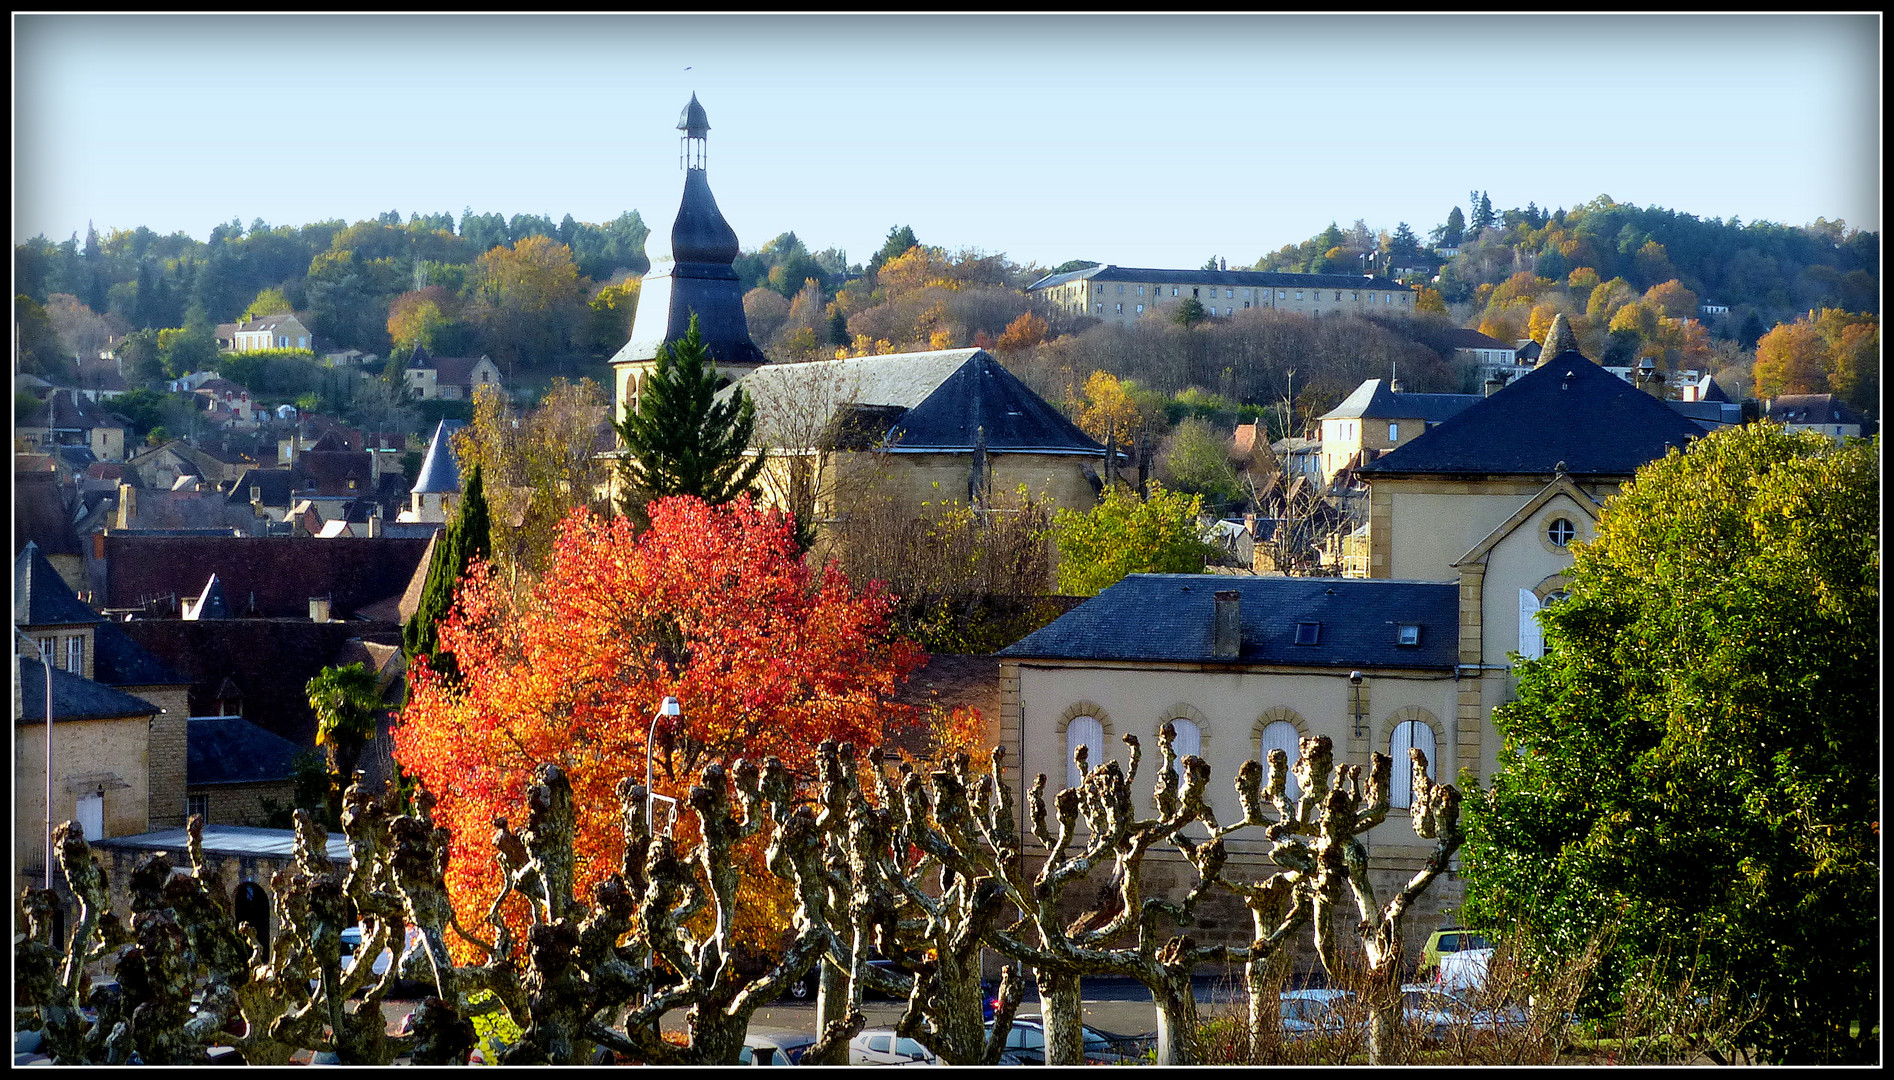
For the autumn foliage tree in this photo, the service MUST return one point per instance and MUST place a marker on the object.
(712, 605)
(1836, 352)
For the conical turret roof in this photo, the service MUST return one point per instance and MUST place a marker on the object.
(440, 471)
(693, 121)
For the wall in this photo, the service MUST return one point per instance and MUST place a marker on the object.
(243, 804)
(1419, 528)
(936, 478)
(1230, 708)
(80, 747)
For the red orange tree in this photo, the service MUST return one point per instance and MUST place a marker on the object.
(710, 604)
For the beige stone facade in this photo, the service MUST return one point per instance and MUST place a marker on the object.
(88, 755)
(1123, 294)
(240, 804)
(1232, 708)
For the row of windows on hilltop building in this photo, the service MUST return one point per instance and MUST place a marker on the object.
(1250, 297)
(1187, 740)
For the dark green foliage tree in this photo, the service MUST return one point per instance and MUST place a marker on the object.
(1403, 241)
(1211, 263)
(900, 239)
(1070, 265)
(40, 350)
(1691, 769)
(1189, 312)
(346, 702)
(681, 440)
(1456, 227)
(466, 538)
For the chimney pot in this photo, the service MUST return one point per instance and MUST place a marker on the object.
(1228, 631)
(318, 609)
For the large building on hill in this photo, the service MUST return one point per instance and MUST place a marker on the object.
(1124, 294)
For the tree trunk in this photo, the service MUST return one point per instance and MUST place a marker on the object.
(831, 1005)
(1177, 1042)
(1265, 1009)
(1384, 1013)
(1063, 1014)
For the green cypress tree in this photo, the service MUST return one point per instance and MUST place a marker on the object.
(682, 440)
(466, 538)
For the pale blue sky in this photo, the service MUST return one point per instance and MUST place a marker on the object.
(1153, 141)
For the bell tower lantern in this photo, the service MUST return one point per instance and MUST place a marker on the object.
(693, 274)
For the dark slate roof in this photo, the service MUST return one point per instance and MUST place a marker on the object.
(264, 662)
(929, 401)
(232, 750)
(119, 661)
(1529, 351)
(1372, 400)
(277, 487)
(74, 698)
(41, 597)
(332, 470)
(210, 603)
(1712, 391)
(1462, 338)
(440, 472)
(1709, 415)
(281, 572)
(41, 514)
(1568, 410)
(982, 399)
(693, 121)
(1811, 409)
(1168, 618)
(1264, 278)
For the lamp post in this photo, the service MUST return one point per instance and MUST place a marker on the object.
(669, 707)
(46, 665)
(1354, 694)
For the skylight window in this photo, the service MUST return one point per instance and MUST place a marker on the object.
(1410, 634)
(1308, 633)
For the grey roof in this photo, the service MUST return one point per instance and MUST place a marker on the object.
(926, 400)
(440, 471)
(1266, 278)
(693, 121)
(1168, 618)
(74, 698)
(232, 750)
(228, 840)
(1462, 338)
(1372, 400)
(117, 660)
(41, 597)
(1811, 409)
(1567, 410)
(1710, 415)
(1711, 390)
(275, 486)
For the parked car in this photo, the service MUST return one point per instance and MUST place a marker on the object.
(771, 1046)
(1437, 1013)
(881, 1046)
(1449, 939)
(1026, 1044)
(1313, 1012)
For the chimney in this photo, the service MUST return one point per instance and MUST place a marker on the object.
(127, 505)
(1228, 634)
(1493, 383)
(374, 523)
(318, 609)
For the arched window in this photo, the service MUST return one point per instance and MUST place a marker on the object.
(1086, 731)
(1409, 735)
(1187, 740)
(1282, 735)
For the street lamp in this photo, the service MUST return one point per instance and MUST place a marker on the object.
(651, 798)
(1354, 693)
(46, 665)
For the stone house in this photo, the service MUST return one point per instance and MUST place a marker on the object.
(268, 332)
(450, 378)
(237, 772)
(1378, 417)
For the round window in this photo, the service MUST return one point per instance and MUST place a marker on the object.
(1560, 532)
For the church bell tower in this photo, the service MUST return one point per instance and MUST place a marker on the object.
(694, 274)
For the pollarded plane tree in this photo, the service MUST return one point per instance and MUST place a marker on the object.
(1338, 860)
(265, 1000)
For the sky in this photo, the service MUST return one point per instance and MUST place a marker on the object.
(1141, 141)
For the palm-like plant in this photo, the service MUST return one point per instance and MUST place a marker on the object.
(346, 701)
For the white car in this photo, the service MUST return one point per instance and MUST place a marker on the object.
(881, 1046)
(773, 1047)
(1438, 1012)
(1318, 1011)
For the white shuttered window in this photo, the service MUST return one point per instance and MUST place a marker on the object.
(1086, 731)
(1531, 645)
(1186, 739)
(1282, 735)
(1408, 736)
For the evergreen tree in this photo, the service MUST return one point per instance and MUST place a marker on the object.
(900, 239)
(1456, 227)
(466, 538)
(682, 440)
